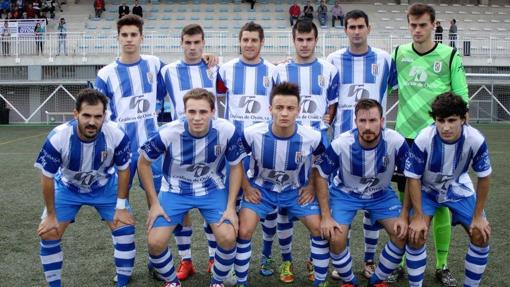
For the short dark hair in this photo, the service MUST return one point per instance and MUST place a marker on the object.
(199, 94)
(367, 104)
(304, 26)
(454, 21)
(284, 89)
(355, 14)
(447, 105)
(91, 97)
(130, 20)
(252, 27)
(192, 29)
(419, 9)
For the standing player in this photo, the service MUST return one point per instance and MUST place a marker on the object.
(280, 166)
(180, 77)
(86, 162)
(248, 81)
(365, 72)
(133, 86)
(437, 171)
(427, 69)
(318, 82)
(194, 151)
(361, 163)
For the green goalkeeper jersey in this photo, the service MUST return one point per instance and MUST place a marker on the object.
(423, 77)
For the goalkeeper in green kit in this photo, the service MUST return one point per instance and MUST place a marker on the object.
(425, 70)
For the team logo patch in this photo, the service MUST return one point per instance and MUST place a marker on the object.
(321, 81)
(104, 155)
(217, 150)
(298, 157)
(437, 66)
(375, 70)
(385, 161)
(210, 74)
(150, 77)
(266, 81)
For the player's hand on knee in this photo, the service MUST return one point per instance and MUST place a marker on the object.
(328, 227)
(123, 217)
(400, 228)
(251, 194)
(480, 230)
(306, 194)
(154, 212)
(418, 230)
(230, 215)
(48, 224)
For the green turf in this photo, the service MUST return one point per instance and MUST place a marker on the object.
(87, 243)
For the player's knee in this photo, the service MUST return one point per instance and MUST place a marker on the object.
(477, 238)
(50, 235)
(337, 242)
(156, 244)
(416, 244)
(227, 240)
(245, 232)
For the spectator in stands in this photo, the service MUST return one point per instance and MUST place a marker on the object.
(5, 8)
(62, 36)
(123, 10)
(252, 3)
(322, 13)
(438, 35)
(452, 33)
(17, 14)
(36, 4)
(99, 7)
(137, 9)
(337, 14)
(6, 39)
(48, 6)
(308, 11)
(39, 38)
(295, 12)
(30, 11)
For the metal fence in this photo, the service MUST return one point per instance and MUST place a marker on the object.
(225, 43)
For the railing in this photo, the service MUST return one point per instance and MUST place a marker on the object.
(225, 43)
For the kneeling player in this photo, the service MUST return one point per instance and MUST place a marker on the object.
(194, 150)
(78, 162)
(361, 163)
(281, 155)
(437, 171)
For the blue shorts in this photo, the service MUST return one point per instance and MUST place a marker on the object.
(68, 203)
(176, 206)
(271, 200)
(462, 210)
(156, 171)
(344, 206)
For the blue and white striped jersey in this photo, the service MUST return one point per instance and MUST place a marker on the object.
(281, 164)
(133, 91)
(248, 89)
(84, 167)
(363, 173)
(318, 83)
(194, 166)
(180, 77)
(369, 75)
(443, 168)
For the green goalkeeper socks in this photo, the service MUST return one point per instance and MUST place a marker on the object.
(441, 224)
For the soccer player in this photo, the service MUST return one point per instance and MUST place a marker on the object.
(248, 81)
(318, 82)
(365, 72)
(280, 166)
(194, 151)
(361, 163)
(86, 162)
(180, 77)
(426, 69)
(437, 171)
(133, 86)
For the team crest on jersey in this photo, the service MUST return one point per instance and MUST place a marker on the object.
(375, 70)
(322, 81)
(437, 66)
(299, 157)
(217, 150)
(150, 77)
(104, 155)
(210, 74)
(266, 81)
(385, 161)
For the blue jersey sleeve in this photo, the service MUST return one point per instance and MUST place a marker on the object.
(328, 162)
(415, 162)
(153, 148)
(49, 159)
(321, 147)
(235, 149)
(333, 89)
(122, 154)
(481, 161)
(392, 78)
(246, 144)
(401, 157)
